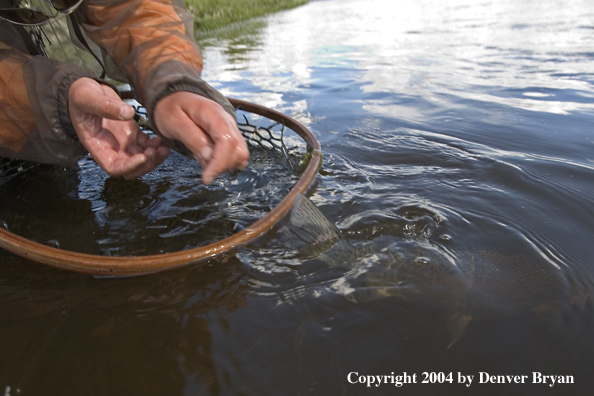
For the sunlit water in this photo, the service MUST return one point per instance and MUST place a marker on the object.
(458, 165)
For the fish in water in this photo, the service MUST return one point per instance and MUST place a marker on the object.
(481, 281)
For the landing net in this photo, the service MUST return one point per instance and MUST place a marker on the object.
(201, 223)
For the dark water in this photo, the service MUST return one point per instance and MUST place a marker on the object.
(458, 165)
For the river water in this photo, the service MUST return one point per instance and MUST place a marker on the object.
(458, 167)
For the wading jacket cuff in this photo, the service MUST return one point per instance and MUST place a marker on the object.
(47, 83)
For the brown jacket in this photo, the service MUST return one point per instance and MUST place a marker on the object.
(149, 43)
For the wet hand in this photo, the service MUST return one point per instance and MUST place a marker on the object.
(206, 129)
(105, 126)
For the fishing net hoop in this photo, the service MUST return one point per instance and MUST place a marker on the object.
(139, 265)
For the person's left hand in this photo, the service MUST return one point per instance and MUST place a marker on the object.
(105, 126)
(206, 129)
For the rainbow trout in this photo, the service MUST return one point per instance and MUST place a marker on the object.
(479, 282)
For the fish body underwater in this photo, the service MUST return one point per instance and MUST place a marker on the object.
(480, 281)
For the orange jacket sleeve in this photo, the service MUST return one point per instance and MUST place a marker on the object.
(34, 121)
(148, 42)
(151, 42)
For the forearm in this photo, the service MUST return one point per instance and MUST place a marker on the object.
(34, 116)
(152, 43)
(141, 35)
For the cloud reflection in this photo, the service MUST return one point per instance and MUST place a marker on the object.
(506, 53)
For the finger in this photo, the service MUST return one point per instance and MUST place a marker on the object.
(230, 151)
(143, 168)
(227, 155)
(111, 159)
(154, 157)
(197, 141)
(145, 141)
(155, 142)
(135, 149)
(87, 96)
(161, 153)
(127, 167)
(194, 137)
(112, 108)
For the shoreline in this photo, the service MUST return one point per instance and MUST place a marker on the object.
(210, 15)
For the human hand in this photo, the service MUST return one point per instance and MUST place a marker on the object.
(105, 126)
(206, 129)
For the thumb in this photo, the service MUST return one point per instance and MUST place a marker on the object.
(87, 96)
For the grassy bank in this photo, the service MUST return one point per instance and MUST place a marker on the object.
(213, 14)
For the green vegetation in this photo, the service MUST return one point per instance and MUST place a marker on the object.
(213, 14)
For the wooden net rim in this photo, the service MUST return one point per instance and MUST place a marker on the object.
(138, 265)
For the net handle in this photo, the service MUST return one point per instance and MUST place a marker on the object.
(139, 265)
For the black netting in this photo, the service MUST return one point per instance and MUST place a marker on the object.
(269, 138)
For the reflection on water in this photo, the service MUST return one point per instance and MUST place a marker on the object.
(240, 41)
(458, 168)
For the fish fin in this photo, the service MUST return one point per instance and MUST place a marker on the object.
(552, 308)
(310, 224)
(551, 313)
(579, 300)
(456, 326)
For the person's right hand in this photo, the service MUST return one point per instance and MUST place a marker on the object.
(105, 126)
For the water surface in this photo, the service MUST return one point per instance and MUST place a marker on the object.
(458, 166)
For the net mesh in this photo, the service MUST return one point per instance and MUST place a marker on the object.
(10, 168)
